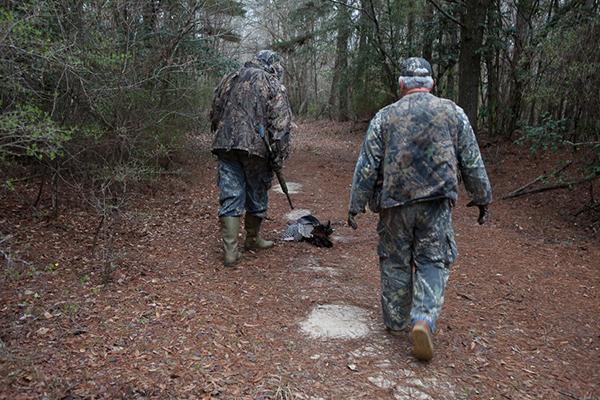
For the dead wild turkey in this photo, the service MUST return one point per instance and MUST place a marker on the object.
(309, 229)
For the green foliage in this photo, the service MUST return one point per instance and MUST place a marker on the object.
(548, 135)
(28, 132)
(105, 93)
(377, 97)
(592, 168)
(569, 74)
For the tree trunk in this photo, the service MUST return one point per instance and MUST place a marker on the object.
(492, 60)
(471, 39)
(428, 39)
(520, 64)
(338, 99)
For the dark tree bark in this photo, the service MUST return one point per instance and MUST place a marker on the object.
(471, 39)
(338, 100)
(520, 65)
(428, 40)
(492, 62)
(451, 71)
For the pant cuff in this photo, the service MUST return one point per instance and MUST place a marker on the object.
(431, 325)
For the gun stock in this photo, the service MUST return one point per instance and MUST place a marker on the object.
(282, 183)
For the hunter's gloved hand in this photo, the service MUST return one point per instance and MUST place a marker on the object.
(351, 221)
(483, 212)
(276, 164)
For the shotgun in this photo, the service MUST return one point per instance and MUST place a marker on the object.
(284, 189)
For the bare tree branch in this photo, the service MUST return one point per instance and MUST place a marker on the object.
(565, 185)
(450, 17)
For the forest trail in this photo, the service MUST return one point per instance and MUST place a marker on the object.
(520, 319)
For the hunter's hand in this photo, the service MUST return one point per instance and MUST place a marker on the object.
(483, 212)
(276, 164)
(351, 220)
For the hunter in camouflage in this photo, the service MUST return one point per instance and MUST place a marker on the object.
(412, 160)
(248, 97)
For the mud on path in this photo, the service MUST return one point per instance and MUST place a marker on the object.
(520, 319)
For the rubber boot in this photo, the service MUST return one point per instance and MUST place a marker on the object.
(253, 240)
(230, 227)
(421, 334)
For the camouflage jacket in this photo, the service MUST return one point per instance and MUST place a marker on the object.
(245, 99)
(419, 148)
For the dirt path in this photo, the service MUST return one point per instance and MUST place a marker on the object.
(520, 319)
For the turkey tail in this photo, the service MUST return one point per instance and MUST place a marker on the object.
(320, 235)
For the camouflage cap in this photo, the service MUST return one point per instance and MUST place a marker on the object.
(415, 66)
(266, 59)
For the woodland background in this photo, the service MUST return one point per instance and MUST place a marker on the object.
(98, 97)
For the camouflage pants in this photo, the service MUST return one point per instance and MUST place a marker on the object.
(416, 247)
(244, 182)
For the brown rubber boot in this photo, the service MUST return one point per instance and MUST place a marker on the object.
(230, 227)
(253, 240)
(421, 335)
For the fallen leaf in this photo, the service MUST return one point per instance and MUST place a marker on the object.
(42, 331)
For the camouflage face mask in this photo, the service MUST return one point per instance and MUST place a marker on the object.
(267, 59)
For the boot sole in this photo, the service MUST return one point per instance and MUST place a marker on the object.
(423, 349)
(396, 332)
(255, 248)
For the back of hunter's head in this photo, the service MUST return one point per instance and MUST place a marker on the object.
(269, 61)
(415, 66)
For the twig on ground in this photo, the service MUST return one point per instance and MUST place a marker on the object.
(546, 188)
(465, 296)
(568, 395)
(519, 190)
